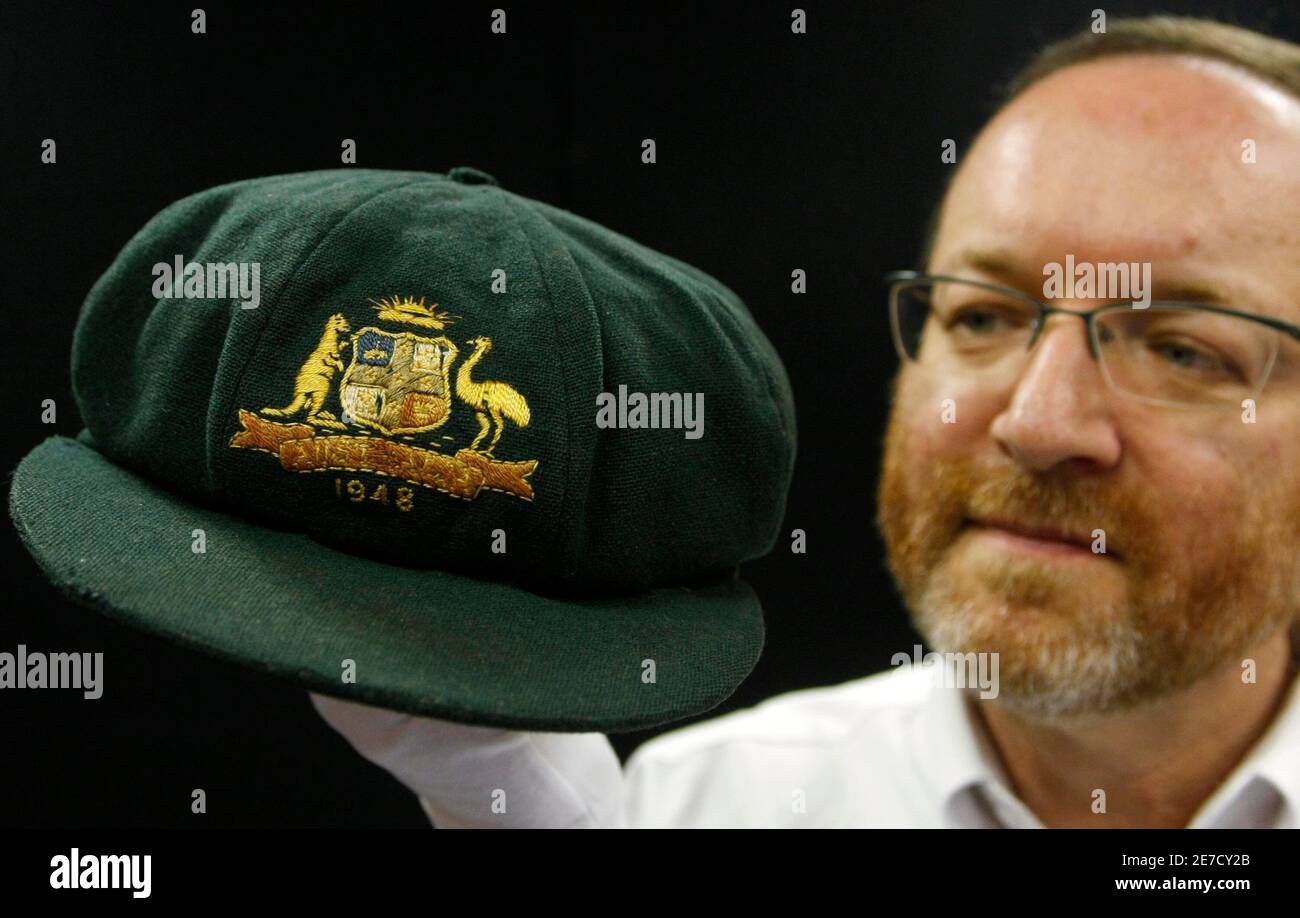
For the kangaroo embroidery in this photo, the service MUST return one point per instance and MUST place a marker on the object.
(313, 383)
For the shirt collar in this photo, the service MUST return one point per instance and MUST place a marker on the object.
(951, 748)
(1269, 775)
(953, 751)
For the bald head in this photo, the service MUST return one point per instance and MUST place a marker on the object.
(1139, 158)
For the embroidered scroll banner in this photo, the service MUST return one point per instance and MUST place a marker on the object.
(460, 475)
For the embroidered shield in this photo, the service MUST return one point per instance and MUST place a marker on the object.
(397, 383)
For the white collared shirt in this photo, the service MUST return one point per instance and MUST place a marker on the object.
(894, 750)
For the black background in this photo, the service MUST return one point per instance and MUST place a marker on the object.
(775, 151)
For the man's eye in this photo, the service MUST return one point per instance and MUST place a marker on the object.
(979, 321)
(1185, 356)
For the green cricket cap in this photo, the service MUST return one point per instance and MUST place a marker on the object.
(416, 441)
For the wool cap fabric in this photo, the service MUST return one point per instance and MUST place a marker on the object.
(461, 454)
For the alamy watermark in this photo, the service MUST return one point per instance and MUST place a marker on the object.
(178, 280)
(1109, 280)
(103, 871)
(83, 671)
(653, 410)
(956, 670)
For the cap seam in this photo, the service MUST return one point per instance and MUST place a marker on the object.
(213, 421)
(570, 396)
(753, 350)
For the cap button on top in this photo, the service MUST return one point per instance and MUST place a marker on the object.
(468, 175)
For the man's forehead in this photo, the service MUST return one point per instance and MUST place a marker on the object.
(1160, 93)
(1136, 158)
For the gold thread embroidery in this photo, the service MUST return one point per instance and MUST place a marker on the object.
(397, 383)
(409, 312)
(489, 398)
(462, 475)
(404, 501)
(313, 383)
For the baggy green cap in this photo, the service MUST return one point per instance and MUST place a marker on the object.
(391, 459)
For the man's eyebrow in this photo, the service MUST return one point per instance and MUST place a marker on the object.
(1190, 292)
(1001, 262)
(992, 261)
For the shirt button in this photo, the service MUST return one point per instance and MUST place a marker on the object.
(467, 175)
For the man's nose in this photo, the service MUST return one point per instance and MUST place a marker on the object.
(1060, 409)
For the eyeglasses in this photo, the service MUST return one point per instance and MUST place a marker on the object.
(1167, 353)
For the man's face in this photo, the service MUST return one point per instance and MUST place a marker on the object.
(1125, 159)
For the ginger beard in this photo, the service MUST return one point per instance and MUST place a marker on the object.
(1093, 635)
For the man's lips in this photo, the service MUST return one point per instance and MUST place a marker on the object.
(1039, 536)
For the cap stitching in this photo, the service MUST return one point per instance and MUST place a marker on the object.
(212, 420)
(550, 301)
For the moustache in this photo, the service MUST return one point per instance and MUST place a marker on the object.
(954, 494)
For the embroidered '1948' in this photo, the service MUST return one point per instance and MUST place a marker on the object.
(355, 491)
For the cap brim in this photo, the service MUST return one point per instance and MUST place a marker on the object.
(422, 641)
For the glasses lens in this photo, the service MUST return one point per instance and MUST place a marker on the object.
(1185, 356)
(909, 304)
(959, 322)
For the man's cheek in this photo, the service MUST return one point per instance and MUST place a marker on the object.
(942, 419)
(1209, 485)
